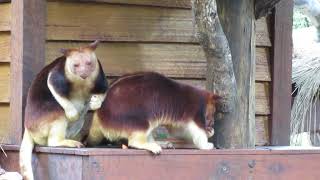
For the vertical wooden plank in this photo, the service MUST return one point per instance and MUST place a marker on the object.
(281, 73)
(49, 166)
(27, 52)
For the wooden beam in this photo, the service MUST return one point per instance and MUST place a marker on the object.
(264, 7)
(173, 59)
(27, 52)
(157, 3)
(281, 73)
(114, 22)
(111, 163)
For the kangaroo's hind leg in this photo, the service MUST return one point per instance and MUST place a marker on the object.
(57, 134)
(144, 140)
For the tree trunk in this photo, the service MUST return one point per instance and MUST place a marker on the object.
(232, 78)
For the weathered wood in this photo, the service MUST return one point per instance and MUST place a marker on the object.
(262, 130)
(4, 82)
(5, 16)
(262, 32)
(5, 124)
(238, 23)
(87, 164)
(53, 166)
(159, 3)
(263, 7)
(105, 151)
(27, 52)
(281, 73)
(111, 22)
(263, 70)
(118, 23)
(262, 98)
(174, 60)
(5, 55)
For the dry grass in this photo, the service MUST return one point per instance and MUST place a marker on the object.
(3, 151)
(306, 75)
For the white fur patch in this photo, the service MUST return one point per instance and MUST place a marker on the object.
(199, 136)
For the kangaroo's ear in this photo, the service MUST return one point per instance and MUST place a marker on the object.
(64, 51)
(215, 97)
(93, 46)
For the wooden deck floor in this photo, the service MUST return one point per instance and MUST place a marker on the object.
(106, 163)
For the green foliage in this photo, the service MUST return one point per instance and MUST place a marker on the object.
(300, 20)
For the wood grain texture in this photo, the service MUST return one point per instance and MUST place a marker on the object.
(263, 98)
(252, 166)
(4, 82)
(5, 55)
(159, 3)
(238, 24)
(262, 130)
(102, 163)
(263, 70)
(173, 60)
(5, 123)
(281, 73)
(27, 32)
(53, 166)
(5, 9)
(263, 36)
(112, 22)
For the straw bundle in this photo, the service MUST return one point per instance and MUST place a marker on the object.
(306, 76)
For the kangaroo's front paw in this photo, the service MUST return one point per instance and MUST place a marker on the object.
(95, 102)
(210, 132)
(207, 146)
(72, 114)
(75, 144)
(154, 148)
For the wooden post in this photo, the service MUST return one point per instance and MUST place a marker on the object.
(28, 56)
(281, 73)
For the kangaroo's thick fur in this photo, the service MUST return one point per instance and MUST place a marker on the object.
(137, 103)
(56, 97)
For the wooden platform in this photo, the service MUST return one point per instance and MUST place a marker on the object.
(102, 163)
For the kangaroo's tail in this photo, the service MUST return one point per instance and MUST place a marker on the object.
(26, 156)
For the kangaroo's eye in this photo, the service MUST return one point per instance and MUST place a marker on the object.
(76, 65)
